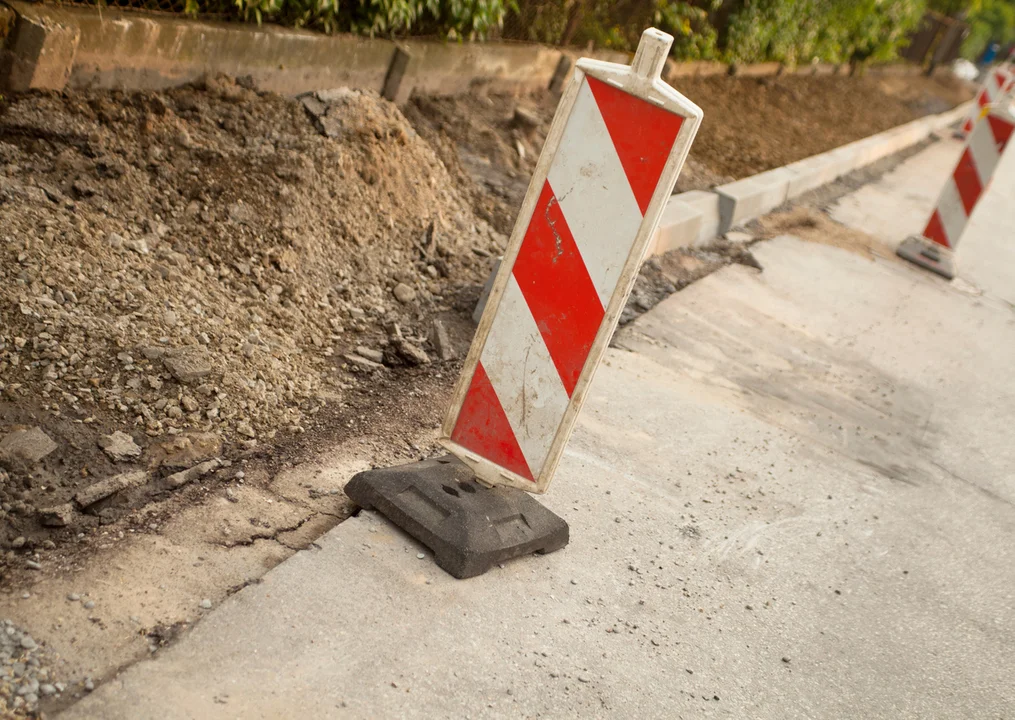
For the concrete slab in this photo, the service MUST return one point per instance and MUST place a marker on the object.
(790, 496)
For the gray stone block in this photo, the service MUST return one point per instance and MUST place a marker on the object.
(752, 197)
(397, 83)
(689, 219)
(38, 55)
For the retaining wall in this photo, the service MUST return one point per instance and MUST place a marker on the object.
(52, 47)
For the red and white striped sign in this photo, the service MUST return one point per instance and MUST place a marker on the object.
(972, 175)
(999, 80)
(611, 159)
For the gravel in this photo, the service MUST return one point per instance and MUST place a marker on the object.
(25, 672)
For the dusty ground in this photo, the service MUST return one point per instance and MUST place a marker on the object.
(750, 125)
(220, 279)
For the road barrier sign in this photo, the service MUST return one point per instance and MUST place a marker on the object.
(963, 189)
(999, 80)
(609, 164)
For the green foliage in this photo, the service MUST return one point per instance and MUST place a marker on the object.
(800, 31)
(694, 38)
(955, 8)
(992, 21)
(790, 31)
(464, 19)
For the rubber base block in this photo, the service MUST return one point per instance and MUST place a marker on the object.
(468, 526)
(928, 255)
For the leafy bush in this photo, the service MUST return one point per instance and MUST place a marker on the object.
(467, 19)
(791, 31)
(993, 21)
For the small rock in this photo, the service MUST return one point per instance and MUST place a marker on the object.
(73, 597)
(186, 450)
(58, 516)
(46, 689)
(110, 485)
(244, 428)
(88, 604)
(27, 444)
(440, 340)
(28, 643)
(526, 118)
(182, 478)
(18, 542)
(375, 355)
(312, 105)
(786, 660)
(404, 294)
(205, 604)
(420, 556)
(362, 362)
(89, 685)
(412, 354)
(139, 246)
(584, 678)
(188, 364)
(119, 446)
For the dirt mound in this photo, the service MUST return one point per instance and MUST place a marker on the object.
(756, 124)
(207, 259)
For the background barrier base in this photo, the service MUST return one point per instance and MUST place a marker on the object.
(468, 526)
(928, 255)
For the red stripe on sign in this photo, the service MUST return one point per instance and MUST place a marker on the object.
(1002, 130)
(483, 427)
(983, 98)
(1001, 79)
(936, 231)
(967, 180)
(968, 127)
(642, 133)
(558, 289)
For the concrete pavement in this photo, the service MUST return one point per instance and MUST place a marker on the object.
(790, 495)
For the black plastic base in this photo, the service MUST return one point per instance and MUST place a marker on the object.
(469, 527)
(928, 255)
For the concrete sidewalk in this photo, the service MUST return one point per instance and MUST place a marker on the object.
(790, 496)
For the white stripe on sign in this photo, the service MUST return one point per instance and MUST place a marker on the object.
(524, 377)
(984, 151)
(595, 196)
(951, 211)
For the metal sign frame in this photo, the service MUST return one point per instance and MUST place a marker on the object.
(642, 79)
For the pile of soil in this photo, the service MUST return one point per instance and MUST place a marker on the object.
(750, 125)
(196, 269)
